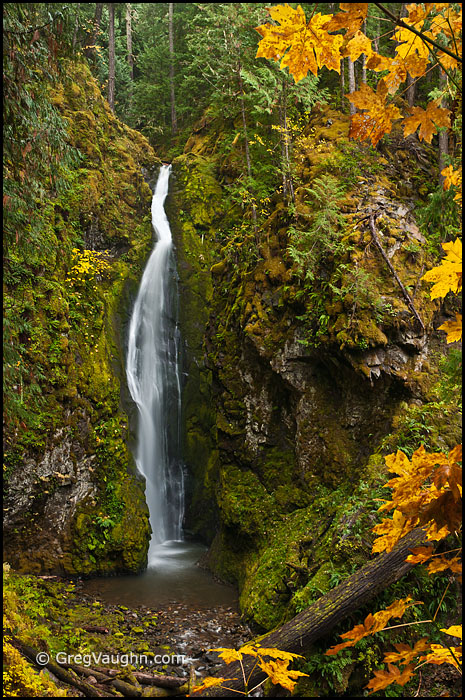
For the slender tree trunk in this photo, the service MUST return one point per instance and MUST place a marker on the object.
(343, 85)
(283, 151)
(129, 39)
(174, 125)
(351, 72)
(319, 619)
(443, 134)
(246, 139)
(76, 26)
(286, 144)
(410, 90)
(90, 50)
(111, 56)
(364, 58)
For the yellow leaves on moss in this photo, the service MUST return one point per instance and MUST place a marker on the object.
(21, 680)
(87, 264)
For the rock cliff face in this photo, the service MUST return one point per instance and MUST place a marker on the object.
(295, 387)
(74, 503)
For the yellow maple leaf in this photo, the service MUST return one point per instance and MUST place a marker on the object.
(410, 43)
(448, 275)
(309, 46)
(359, 44)
(427, 119)
(451, 177)
(454, 631)
(277, 653)
(443, 655)
(279, 673)
(453, 329)
(435, 533)
(442, 563)
(230, 655)
(210, 682)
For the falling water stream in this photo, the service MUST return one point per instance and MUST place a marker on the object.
(154, 381)
(153, 373)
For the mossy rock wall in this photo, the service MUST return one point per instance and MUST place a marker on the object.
(287, 419)
(74, 501)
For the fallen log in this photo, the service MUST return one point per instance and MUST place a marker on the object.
(127, 689)
(160, 680)
(61, 673)
(87, 671)
(297, 635)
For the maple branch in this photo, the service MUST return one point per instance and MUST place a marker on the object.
(443, 596)
(424, 38)
(407, 296)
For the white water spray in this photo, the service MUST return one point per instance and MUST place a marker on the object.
(153, 375)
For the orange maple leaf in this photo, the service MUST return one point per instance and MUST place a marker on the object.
(378, 117)
(405, 653)
(420, 555)
(393, 675)
(427, 119)
(351, 18)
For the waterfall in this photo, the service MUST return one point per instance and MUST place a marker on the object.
(153, 374)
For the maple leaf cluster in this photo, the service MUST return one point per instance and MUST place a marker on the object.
(276, 667)
(447, 277)
(426, 493)
(308, 46)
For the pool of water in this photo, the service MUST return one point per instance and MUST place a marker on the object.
(172, 575)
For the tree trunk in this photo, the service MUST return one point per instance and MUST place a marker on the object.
(246, 139)
(111, 56)
(320, 618)
(285, 144)
(352, 108)
(90, 49)
(76, 27)
(343, 85)
(443, 134)
(364, 58)
(410, 90)
(174, 125)
(129, 39)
